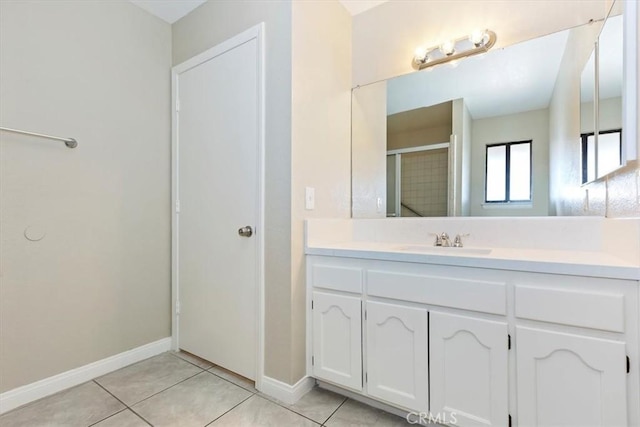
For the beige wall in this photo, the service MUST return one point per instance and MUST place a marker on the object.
(533, 125)
(320, 143)
(98, 283)
(418, 137)
(211, 24)
(385, 37)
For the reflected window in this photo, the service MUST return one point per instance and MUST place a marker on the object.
(609, 154)
(508, 172)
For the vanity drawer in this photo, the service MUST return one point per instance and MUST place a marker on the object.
(347, 279)
(466, 294)
(588, 309)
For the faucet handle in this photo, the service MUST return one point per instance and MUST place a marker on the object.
(438, 241)
(457, 242)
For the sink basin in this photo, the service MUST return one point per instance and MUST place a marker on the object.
(441, 250)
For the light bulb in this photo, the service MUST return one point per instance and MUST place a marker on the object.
(420, 55)
(477, 38)
(448, 48)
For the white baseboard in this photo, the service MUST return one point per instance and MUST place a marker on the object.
(28, 393)
(286, 393)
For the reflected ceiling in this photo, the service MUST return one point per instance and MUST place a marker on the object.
(520, 78)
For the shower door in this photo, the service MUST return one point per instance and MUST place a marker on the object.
(418, 181)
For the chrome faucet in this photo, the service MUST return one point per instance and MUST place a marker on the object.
(442, 239)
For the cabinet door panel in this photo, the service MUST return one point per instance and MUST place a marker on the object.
(397, 364)
(570, 380)
(468, 369)
(337, 339)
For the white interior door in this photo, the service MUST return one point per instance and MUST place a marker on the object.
(217, 131)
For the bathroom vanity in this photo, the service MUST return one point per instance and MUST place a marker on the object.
(492, 333)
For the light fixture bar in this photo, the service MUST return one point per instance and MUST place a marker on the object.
(478, 42)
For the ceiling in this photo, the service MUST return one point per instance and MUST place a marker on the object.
(358, 6)
(172, 10)
(168, 10)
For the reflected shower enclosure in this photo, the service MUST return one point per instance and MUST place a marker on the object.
(417, 181)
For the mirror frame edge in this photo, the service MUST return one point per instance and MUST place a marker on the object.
(631, 146)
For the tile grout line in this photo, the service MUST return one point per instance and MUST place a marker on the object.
(270, 401)
(154, 394)
(253, 392)
(231, 382)
(165, 389)
(130, 407)
(273, 400)
(112, 415)
(213, 365)
(229, 410)
(208, 370)
(174, 354)
(180, 382)
(95, 381)
(111, 394)
(299, 414)
(125, 408)
(202, 370)
(141, 417)
(334, 412)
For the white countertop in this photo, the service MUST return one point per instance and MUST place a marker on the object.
(569, 262)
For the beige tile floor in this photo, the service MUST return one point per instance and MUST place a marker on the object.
(179, 389)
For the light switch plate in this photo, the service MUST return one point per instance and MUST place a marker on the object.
(309, 198)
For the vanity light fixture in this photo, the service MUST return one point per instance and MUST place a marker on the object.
(448, 48)
(477, 42)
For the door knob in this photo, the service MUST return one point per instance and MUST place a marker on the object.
(246, 231)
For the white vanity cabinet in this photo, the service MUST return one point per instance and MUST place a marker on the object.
(336, 322)
(570, 380)
(337, 340)
(477, 346)
(469, 369)
(572, 362)
(396, 354)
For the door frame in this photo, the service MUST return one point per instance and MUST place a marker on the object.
(254, 33)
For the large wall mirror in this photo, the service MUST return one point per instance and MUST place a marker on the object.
(475, 137)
